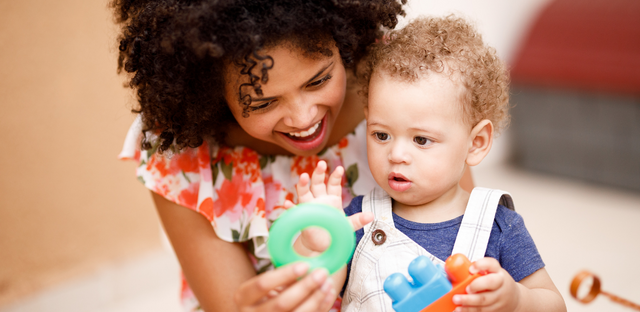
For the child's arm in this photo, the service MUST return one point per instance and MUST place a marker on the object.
(497, 291)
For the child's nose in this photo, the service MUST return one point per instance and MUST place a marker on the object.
(301, 114)
(399, 153)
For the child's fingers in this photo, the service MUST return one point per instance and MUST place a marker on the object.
(318, 188)
(476, 302)
(334, 186)
(288, 204)
(489, 282)
(359, 220)
(302, 187)
(486, 264)
(316, 239)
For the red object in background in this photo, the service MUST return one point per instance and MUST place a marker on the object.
(583, 44)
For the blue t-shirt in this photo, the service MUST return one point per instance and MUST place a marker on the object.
(509, 243)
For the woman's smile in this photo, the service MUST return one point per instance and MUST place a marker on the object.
(308, 139)
(299, 104)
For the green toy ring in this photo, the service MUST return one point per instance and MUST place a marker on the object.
(296, 219)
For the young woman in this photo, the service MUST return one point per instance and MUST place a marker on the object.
(236, 99)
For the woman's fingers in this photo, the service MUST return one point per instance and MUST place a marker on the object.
(305, 289)
(318, 188)
(320, 300)
(253, 290)
(359, 220)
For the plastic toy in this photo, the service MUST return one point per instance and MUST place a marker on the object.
(296, 219)
(431, 290)
(586, 276)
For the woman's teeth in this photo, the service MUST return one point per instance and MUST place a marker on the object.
(306, 133)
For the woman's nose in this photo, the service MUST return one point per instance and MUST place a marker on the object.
(301, 114)
(399, 153)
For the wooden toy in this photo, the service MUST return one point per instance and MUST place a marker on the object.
(583, 278)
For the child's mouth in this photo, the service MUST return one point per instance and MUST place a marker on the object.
(398, 182)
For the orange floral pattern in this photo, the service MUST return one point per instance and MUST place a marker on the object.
(241, 192)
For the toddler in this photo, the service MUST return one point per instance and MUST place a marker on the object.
(437, 96)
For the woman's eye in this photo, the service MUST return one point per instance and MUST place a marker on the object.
(262, 106)
(320, 82)
(381, 136)
(421, 140)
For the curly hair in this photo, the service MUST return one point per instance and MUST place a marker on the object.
(175, 52)
(445, 45)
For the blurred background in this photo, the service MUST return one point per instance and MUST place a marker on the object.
(78, 232)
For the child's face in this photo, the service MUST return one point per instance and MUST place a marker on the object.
(300, 101)
(417, 141)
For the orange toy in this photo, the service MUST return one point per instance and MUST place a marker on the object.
(457, 268)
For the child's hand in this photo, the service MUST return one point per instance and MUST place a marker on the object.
(314, 190)
(496, 291)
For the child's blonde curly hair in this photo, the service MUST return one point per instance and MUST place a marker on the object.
(448, 44)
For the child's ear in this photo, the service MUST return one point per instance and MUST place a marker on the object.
(481, 138)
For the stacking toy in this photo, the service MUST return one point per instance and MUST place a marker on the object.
(431, 290)
(296, 219)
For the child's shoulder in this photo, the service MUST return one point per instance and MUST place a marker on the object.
(508, 219)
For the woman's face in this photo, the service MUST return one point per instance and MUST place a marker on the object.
(300, 101)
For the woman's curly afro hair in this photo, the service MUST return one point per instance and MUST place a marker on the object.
(175, 52)
(451, 45)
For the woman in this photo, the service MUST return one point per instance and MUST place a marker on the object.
(236, 99)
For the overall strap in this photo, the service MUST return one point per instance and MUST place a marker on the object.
(377, 202)
(477, 221)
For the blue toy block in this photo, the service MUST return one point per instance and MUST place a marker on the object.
(429, 284)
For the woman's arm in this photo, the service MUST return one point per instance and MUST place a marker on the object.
(214, 268)
(222, 277)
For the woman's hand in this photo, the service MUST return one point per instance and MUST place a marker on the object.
(496, 291)
(280, 290)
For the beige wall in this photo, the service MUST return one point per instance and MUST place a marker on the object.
(67, 205)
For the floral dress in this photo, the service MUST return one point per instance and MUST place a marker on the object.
(240, 191)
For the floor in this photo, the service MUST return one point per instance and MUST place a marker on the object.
(575, 225)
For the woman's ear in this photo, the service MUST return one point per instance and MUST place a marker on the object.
(481, 138)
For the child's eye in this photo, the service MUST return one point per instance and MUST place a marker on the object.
(421, 140)
(320, 82)
(261, 107)
(381, 136)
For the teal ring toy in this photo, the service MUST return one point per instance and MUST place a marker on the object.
(296, 219)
